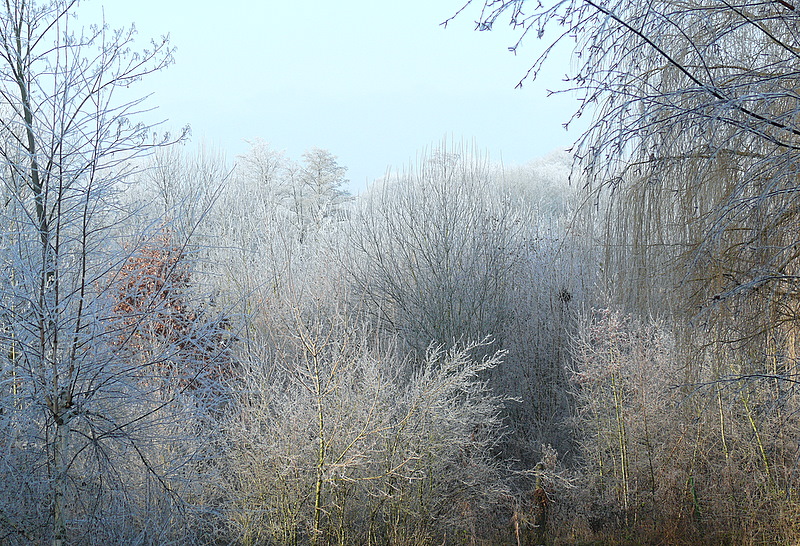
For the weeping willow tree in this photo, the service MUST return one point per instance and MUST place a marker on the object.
(692, 154)
(692, 165)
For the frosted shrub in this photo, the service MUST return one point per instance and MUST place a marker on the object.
(340, 442)
(628, 420)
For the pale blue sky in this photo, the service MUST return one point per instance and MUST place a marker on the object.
(372, 81)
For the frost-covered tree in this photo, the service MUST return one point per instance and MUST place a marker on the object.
(83, 457)
(692, 153)
(317, 191)
(272, 225)
(433, 249)
(178, 187)
(457, 249)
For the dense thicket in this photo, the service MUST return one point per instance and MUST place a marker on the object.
(402, 357)
(198, 351)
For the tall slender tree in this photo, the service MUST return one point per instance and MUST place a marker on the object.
(66, 144)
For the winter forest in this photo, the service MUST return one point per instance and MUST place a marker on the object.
(595, 348)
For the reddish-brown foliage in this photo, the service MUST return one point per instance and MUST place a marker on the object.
(158, 322)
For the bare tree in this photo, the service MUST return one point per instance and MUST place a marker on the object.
(457, 249)
(434, 248)
(180, 186)
(67, 142)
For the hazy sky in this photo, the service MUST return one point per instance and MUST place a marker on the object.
(372, 81)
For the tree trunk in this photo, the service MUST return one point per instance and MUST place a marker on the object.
(60, 483)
